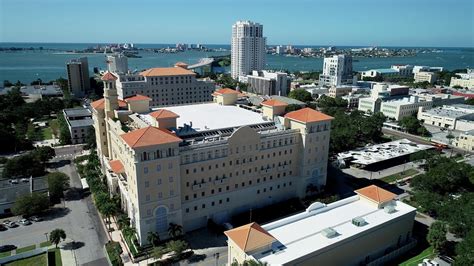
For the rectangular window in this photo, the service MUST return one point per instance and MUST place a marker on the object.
(145, 170)
(171, 179)
(158, 181)
(158, 168)
(160, 195)
(147, 184)
(171, 192)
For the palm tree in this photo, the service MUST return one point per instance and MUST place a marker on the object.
(177, 246)
(123, 221)
(56, 235)
(129, 231)
(108, 209)
(158, 252)
(153, 238)
(175, 230)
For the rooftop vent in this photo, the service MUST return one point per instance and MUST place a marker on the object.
(389, 209)
(359, 221)
(329, 232)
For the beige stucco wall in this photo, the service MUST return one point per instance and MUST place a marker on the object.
(226, 99)
(139, 106)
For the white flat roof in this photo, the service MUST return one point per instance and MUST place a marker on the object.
(301, 234)
(209, 116)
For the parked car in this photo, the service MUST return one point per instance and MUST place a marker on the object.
(6, 222)
(5, 248)
(36, 219)
(2, 227)
(12, 224)
(25, 180)
(25, 222)
(14, 181)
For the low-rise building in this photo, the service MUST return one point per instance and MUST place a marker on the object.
(465, 141)
(268, 83)
(380, 72)
(339, 91)
(425, 76)
(10, 190)
(353, 100)
(369, 228)
(79, 121)
(464, 80)
(403, 70)
(456, 117)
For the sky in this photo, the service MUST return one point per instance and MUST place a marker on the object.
(430, 23)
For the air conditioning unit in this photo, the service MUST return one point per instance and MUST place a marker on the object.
(389, 209)
(359, 221)
(329, 232)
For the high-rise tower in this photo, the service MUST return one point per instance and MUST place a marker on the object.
(248, 48)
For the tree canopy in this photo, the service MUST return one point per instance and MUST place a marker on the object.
(57, 183)
(300, 95)
(413, 126)
(56, 236)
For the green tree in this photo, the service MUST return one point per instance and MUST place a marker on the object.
(469, 101)
(57, 183)
(437, 236)
(44, 154)
(64, 134)
(158, 252)
(292, 107)
(465, 250)
(177, 246)
(30, 204)
(300, 95)
(413, 126)
(90, 140)
(108, 209)
(56, 235)
(23, 166)
(153, 238)
(175, 230)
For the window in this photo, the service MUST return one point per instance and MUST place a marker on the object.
(147, 184)
(147, 198)
(160, 195)
(158, 181)
(145, 170)
(158, 168)
(171, 179)
(187, 210)
(186, 197)
(171, 192)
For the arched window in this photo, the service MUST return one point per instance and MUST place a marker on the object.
(161, 214)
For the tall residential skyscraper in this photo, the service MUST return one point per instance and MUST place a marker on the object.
(337, 70)
(117, 63)
(248, 48)
(78, 76)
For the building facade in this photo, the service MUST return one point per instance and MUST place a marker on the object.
(165, 86)
(370, 228)
(403, 70)
(465, 141)
(464, 80)
(79, 122)
(337, 71)
(78, 76)
(268, 83)
(117, 63)
(188, 164)
(247, 48)
(425, 76)
(456, 117)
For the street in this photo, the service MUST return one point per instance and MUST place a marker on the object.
(77, 216)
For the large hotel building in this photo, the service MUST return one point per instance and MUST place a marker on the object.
(186, 164)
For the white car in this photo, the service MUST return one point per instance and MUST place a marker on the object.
(24, 222)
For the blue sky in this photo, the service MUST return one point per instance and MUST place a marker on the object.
(319, 22)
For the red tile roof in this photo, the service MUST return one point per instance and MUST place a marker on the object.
(226, 91)
(250, 236)
(137, 97)
(307, 114)
(117, 166)
(166, 71)
(163, 114)
(149, 136)
(181, 64)
(274, 102)
(376, 194)
(109, 76)
(100, 104)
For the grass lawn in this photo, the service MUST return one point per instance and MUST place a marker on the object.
(47, 133)
(25, 249)
(54, 125)
(397, 176)
(427, 253)
(45, 244)
(5, 254)
(38, 260)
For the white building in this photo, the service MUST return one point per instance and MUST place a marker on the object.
(279, 50)
(369, 228)
(422, 76)
(417, 69)
(457, 117)
(465, 80)
(379, 72)
(337, 70)
(268, 83)
(248, 48)
(403, 70)
(117, 63)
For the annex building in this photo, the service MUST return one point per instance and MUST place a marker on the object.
(369, 228)
(186, 164)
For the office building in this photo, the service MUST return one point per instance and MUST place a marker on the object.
(188, 164)
(403, 70)
(247, 48)
(268, 83)
(78, 76)
(339, 91)
(337, 71)
(424, 76)
(380, 92)
(417, 69)
(456, 117)
(79, 122)
(464, 80)
(379, 72)
(117, 63)
(165, 86)
(369, 228)
(465, 141)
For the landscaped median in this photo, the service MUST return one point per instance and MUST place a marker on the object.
(398, 176)
(32, 256)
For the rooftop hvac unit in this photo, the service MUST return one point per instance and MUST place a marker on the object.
(389, 209)
(359, 221)
(329, 232)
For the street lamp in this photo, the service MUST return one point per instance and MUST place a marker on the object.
(216, 255)
(46, 235)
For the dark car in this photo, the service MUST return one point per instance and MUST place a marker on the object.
(7, 248)
(2, 227)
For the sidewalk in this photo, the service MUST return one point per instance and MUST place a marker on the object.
(116, 236)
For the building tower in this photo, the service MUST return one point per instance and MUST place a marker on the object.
(117, 63)
(78, 76)
(110, 95)
(247, 48)
(337, 71)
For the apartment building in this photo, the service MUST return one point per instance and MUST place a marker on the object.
(268, 83)
(165, 86)
(337, 71)
(117, 63)
(425, 76)
(79, 122)
(78, 76)
(247, 48)
(369, 228)
(187, 164)
(465, 141)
